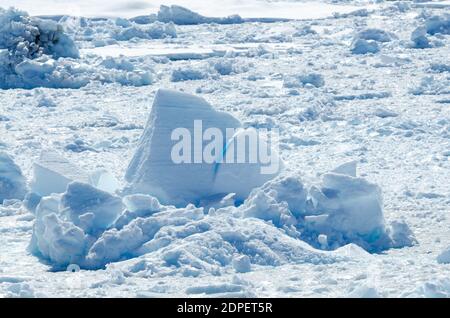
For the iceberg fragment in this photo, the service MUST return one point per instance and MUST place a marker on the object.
(180, 156)
(52, 174)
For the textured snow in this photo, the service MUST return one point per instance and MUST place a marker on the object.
(359, 211)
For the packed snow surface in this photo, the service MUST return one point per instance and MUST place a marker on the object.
(91, 204)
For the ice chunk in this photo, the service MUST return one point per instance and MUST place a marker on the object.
(354, 208)
(241, 264)
(400, 234)
(438, 24)
(52, 174)
(188, 73)
(348, 169)
(179, 15)
(364, 292)
(12, 182)
(54, 239)
(419, 38)
(90, 208)
(375, 35)
(288, 189)
(137, 205)
(228, 178)
(444, 257)
(313, 79)
(359, 202)
(153, 170)
(262, 206)
(361, 46)
(104, 180)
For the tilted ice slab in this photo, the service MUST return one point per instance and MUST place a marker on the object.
(153, 170)
(12, 182)
(52, 174)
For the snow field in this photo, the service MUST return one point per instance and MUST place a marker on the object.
(385, 111)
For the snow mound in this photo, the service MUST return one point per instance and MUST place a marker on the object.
(91, 228)
(172, 240)
(183, 16)
(12, 182)
(191, 178)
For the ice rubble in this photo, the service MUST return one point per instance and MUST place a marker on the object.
(215, 67)
(12, 182)
(421, 37)
(183, 16)
(432, 85)
(156, 30)
(29, 37)
(153, 171)
(367, 41)
(313, 79)
(98, 32)
(282, 220)
(269, 228)
(38, 53)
